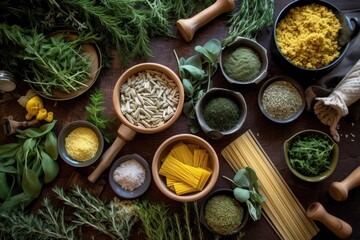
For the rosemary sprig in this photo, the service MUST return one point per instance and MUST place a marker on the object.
(95, 113)
(92, 212)
(249, 19)
(48, 223)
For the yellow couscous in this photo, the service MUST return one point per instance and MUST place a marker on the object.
(307, 36)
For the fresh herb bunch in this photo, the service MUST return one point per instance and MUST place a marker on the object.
(51, 63)
(251, 17)
(127, 25)
(95, 113)
(310, 154)
(246, 189)
(25, 166)
(196, 72)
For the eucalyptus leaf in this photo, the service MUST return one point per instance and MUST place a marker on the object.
(192, 72)
(194, 60)
(51, 145)
(210, 50)
(49, 166)
(242, 195)
(241, 179)
(254, 211)
(30, 183)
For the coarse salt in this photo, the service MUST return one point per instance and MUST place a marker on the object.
(129, 175)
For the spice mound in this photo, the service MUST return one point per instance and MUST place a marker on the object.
(149, 99)
(221, 113)
(281, 100)
(224, 214)
(243, 64)
(82, 144)
(307, 36)
(129, 175)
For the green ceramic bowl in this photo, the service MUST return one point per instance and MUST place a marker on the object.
(333, 161)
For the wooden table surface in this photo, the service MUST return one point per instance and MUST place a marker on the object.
(270, 135)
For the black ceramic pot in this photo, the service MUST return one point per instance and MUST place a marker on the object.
(350, 26)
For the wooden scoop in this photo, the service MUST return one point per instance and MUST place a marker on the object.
(127, 130)
(188, 27)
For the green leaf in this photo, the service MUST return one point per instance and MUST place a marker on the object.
(51, 145)
(36, 132)
(194, 60)
(254, 211)
(192, 72)
(242, 179)
(8, 169)
(49, 166)
(188, 108)
(14, 201)
(210, 50)
(8, 150)
(30, 183)
(188, 87)
(5, 186)
(242, 195)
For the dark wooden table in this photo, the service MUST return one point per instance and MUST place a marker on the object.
(270, 135)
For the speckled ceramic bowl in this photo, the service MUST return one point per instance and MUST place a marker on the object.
(271, 117)
(61, 143)
(137, 192)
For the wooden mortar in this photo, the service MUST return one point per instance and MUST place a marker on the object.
(339, 190)
(340, 228)
(188, 27)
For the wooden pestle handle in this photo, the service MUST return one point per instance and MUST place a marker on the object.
(339, 190)
(340, 228)
(125, 134)
(187, 27)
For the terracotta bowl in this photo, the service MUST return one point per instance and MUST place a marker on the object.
(139, 68)
(165, 148)
(333, 158)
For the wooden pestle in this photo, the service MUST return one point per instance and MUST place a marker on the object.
(339, 190)
(187, 27)
(340, 228)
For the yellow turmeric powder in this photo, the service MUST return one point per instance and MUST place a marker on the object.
(82, 144)
(307, 36)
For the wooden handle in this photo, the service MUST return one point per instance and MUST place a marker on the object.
(187, 27)
(340, 228)
(125, 134)
(339, 190)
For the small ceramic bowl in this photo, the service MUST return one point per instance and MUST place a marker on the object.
(137, 192)
(245, 42)
(164, 149)
(346, 31)
(220, 92)
(271, 116)
(227, 192)
(333, 161)
(66, 131)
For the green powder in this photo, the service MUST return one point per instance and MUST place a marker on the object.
(243, 64)
(221, 113)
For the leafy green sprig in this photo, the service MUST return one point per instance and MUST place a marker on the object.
(95, 115)
(251, 17)
(246, 189)
(196, 72)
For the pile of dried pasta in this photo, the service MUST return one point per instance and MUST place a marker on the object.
(186, 168)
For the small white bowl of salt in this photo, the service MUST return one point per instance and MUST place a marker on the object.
(130, 176)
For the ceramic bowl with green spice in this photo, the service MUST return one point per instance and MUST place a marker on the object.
(311, 155)
(281, 99)
(244, 61)
(221, 112)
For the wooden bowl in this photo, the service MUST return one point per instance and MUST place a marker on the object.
(139, 68)
(162, 152)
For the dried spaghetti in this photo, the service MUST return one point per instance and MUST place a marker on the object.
(286, 214)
